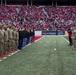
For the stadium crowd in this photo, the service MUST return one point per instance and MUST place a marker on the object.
(25, 19)
(38, 17)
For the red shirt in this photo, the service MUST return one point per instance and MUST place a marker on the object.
(69, 33)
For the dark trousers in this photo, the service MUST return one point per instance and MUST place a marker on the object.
(27, 41)
(33, 38)
(20, 43)
(70, 40)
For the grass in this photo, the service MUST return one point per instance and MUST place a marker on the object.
(41, 58)
(66, 37)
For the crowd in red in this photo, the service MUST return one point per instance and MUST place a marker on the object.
(38, 17)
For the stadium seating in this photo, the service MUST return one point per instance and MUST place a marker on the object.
(38, 17)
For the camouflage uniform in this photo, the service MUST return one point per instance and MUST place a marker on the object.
(13, 38)
(1, 40)
(17, 38)
(74, 38)
(6, 39)
(10, 42)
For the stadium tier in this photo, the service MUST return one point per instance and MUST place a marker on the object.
(38, 17)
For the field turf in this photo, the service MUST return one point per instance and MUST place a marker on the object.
(48, 56)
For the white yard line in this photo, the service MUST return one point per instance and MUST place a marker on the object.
(4, 57)
(19, 50)
(9, 55)
(65, 39)
(1, 60)
(34, 41)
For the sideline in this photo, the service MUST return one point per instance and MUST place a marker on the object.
(20, 50)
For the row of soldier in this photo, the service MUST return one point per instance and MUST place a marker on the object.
(8, 38)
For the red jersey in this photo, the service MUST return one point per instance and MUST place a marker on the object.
(69, 33)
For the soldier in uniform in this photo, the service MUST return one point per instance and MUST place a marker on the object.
(10, 41)
(17, 38)
(1, 40)
(5, 39)
(74, 37)
(14, 38)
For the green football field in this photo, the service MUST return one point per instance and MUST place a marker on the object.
(49, 56)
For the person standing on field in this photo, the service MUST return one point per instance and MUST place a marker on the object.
(70, 36)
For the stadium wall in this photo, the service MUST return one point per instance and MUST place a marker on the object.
(38, 33)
